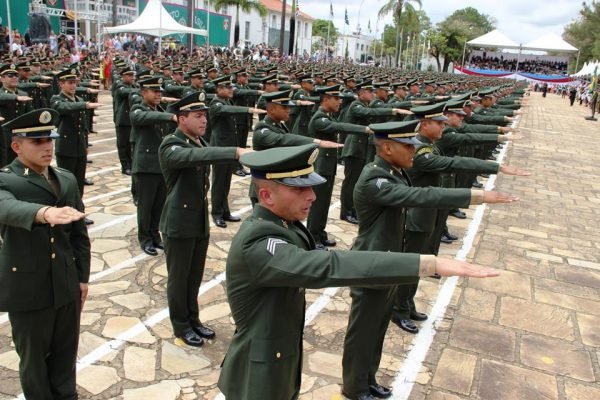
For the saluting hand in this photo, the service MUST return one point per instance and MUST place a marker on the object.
(452, 267)
(90, 105)
(43, 85)
(327, 144)
(240, 151)
(401, 111)
(493, 197)
(304, 102)
(92, 91)
(24, 98)
(511, 136)
(254, 110)
(368, 130)
(505, 169)
(62, 215)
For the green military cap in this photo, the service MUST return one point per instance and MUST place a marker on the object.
(365, 85)
(318, 74)
(347, 79)
(433, 111)
(486, 93)
(306, 78)
(399, 85)
(8, 69)
(145, 73)
(127, 70)
(24, 65)
(456, 107)
(224, 80)
(329, 90)
(197, 73)
(36, 62)
(240, 72)
(167, 66)
(153, 83)
(270, 79)
(330, 78)
(465, 96)
(381, 85)
(282, 98)
(413, 81)
(211, 69)
(290, 166)
(37, 124)
(178, 70)
(68, 74)
(191, 102)
(398, 131)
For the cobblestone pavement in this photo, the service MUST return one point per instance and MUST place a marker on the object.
(533, 333)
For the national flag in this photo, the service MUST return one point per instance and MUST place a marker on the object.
(330, 10)
(346, 18)
(369, 26)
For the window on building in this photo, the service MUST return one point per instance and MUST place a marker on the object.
(306, 29)
(273, 21)
(357, 46)
(247, 31)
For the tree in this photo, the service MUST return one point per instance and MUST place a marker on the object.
(396, 7)
(584, 33)
(246, 6)
(448, 40)
(320, 28)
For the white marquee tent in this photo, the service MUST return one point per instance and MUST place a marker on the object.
(494, 38)
(550, 42)
(155, 20)
(589, 68)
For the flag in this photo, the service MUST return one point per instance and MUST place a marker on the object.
(330, 10)
(369, 26)
(297, 8)
(346, 18)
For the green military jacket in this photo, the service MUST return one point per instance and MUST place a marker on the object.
(269, 134)
(185, 165)
(149, 126)
(478, 128)
(452, 139)
(397, 102)
(73, 126)
(381, 197)
(270, 262)
(222, 124)
(361, 114)
(121, 104)
(175, 89)
(41, 265)
(300, 116)
(428, 165)
(324, 126)
(486, 119)
(493, 111)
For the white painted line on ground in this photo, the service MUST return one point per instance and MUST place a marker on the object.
(101, 171)
(102, 153)
(102, 140)
(405, 379)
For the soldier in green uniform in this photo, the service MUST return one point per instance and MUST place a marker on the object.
(324, 126)
(45, 259)
(185, 158)
(122, 90)
(270, 262)
(424, 227)
(196, 77)
(382, 195)
(176, 86)
(149, 124)
(71, 145)
(273, 131)
(271, 84)
(356, 147)
(13, 102)
(223, 134)
(300, 116)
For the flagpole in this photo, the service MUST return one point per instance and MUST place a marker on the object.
(327, 42)
(207, 27)
(399, 56)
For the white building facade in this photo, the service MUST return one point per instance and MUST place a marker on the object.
(360, 47)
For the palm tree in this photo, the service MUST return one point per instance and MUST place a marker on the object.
(246, 6)
(396, 7)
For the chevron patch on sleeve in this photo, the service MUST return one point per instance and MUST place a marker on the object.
(380, 181)
(272, 244)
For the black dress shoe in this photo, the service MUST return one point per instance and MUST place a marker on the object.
(204, 331)
(232, 218)
(220, 223)
(328, 242)
(89, 161)
(406, 325)
(349, 218)
(126, 171)
(381, 392)
(450, 236)
(458, 214)
(418, 316)
(239, 172)
(362, 396)
(445, 239)
(436, 276)
(88, 221)
(484, 175)
(159, 245)
(477, 184)
(319, 246)
(88, 182)
(150, 250)
(191, 338)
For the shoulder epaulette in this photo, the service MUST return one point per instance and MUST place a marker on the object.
(424, 150)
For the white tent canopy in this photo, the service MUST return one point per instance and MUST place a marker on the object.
(155, 20)
(550, 42)
(588, 68)
(494, 38)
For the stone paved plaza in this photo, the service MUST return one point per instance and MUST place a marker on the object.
(532, 333)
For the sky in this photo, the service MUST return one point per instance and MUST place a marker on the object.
(520, 20)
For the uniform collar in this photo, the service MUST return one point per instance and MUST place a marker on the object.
(37, 179)
(181, 135)
(423, 139)
(261, 213)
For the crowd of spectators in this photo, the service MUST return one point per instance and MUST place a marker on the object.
(534, 66)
